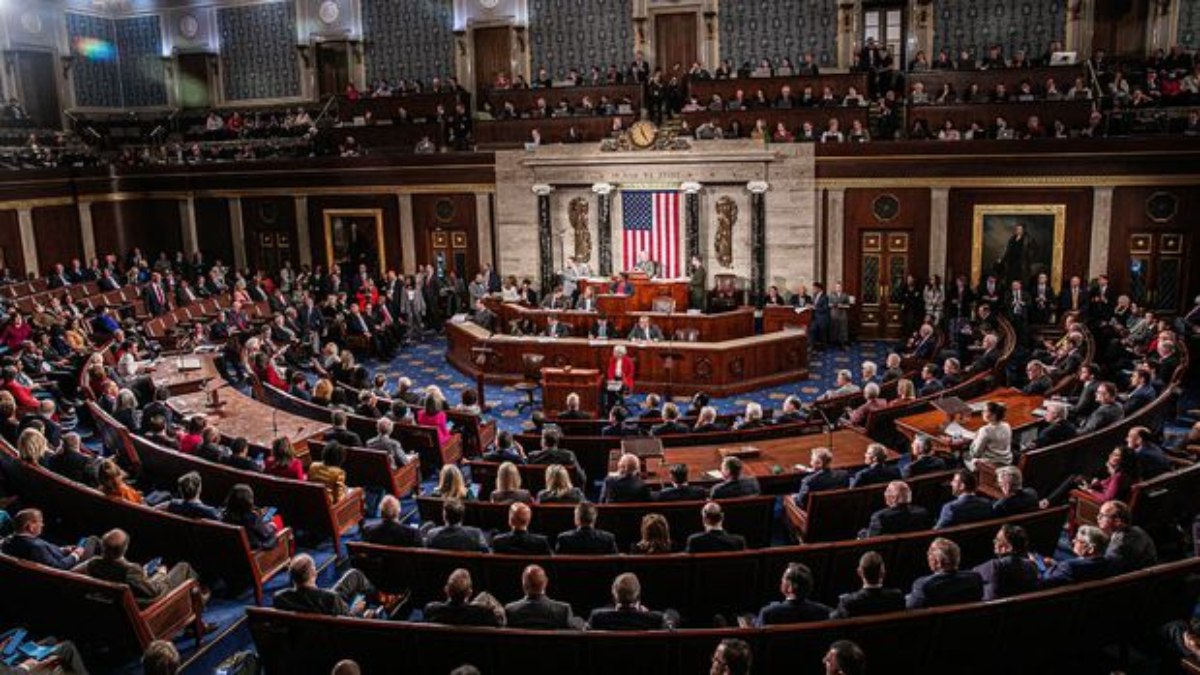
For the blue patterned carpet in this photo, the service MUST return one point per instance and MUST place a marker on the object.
(425, 363)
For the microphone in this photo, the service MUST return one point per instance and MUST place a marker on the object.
(274, 422)
(828, 425)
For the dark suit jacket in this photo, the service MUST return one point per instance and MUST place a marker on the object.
(1152, 461)
(945, 588)
(867, 601)
(456, 538)
(715, 541)
(345, 437)
(460, 614)
(311, 601)
(538, 613)
(557, 456)
(620, 430)
(392, 533)
(930, 387)
(1077, 570)
(624, 619)
(819, 481)
(742, 487)
(964, 508)
(124, 572)
(586, 541)
(1139, 398)
(38, 550)
(1101, 417)
(624, 489)
(521, 542)
(792, 611)
(193, 510)
(1056, 432)
(1038, 386)
(923, 465)
(1023, 501)
(875, 474)
(668, 428)
(899, 518)
(1007, 575)
(682, 493)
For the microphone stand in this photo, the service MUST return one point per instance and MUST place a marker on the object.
(828, 425)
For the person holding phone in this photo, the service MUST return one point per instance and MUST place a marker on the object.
(148, 583)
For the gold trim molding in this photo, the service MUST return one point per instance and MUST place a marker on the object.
(376, 214)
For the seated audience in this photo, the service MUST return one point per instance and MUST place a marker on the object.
(452, 535)
(389, 531)
(1130, 548)
(626, 485)
(27, 543)
(732, 483)
(947, 585)
(536, 611)
(877, 470)
(627, 612)
(1011, 572)
(518, 540)
(1014, 498)
(240, 510)
(796, 585)
(383, 440)
(679, 490)
(872, 598)
(821, 476)
(147, 586)
(346, 598)
(900, 515)
(714, 538)
(1089, 564)
(188, 504)
(923, 459)
(585, 539)
(559, 489)
(329, 471)
(655, 536)
(966, 507)
(508, 486)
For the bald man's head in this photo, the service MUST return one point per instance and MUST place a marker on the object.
(534, 581)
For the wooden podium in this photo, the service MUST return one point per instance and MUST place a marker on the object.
(557, 383)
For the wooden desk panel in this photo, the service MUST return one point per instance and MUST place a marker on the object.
(553, 129)
(778, 317)
(524, 100)
(709, 327)
(718, 368)
(645, 291)
(386, 107)
(840, 83)
(558, 383)
(1019, 416)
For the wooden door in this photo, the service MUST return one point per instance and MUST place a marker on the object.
(37, 82)
(1120, 27)
(493, 56)
(194, 85)
(885, 258)
(333, 68)
(1158, 270)
(449, 249)
(273, 248)
(675, 40)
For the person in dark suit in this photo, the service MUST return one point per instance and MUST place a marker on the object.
(573, 412)
(988, 358)
(646, 331)
(732, 483)
(616, 423)
(670, 424)
(1089, 386)
(1107, 411)
(1090, 563)
(1130, 548)
(930, 384)
(519, 541)
(795, 585)
(189, 504)
(706, 421)
(714, 538)
(877, 469)
(1011, 572)
(556, 329)
(680, 490)
(626, 484)
(112, 566)
(458, 608)
(651, 407)
(1039, 383)
(346, 598)
(552, 454)
(1151, 459)
(26, 543)
(1015, 499)
(1141, 393)
(900, 514)
(340, 433)
(536, 611)
(453, 535)
(819, 329)
(1074, 298)
(872, 598)
(947, 585)
(72, 463)
(389, 531)
(923, 460)
(966, 507)
(627, 612)
(585, 539)
(1057, 429)
(822, 476)
(791, 411)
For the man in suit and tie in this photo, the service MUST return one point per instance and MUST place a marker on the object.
(733, 484)
(819, 330)
(306, 597)
(1074, 298)
(453, 535)
(26, 543)
(947, 585)
(930, 384)
(573, 412)
(556, 329)
(1057, 430)
(966, 507)
(670, 424)
(646, 331)
(1039, 382)
(714, 538)
(872, 598)
(680, 490)
(586, 301)
(923, 350)
(627, 612)
(155, 297)
(822, 476)
(484, 317)
(1101, 300)
(923, 458)
(189, 504)
(990, 356)
(536, 611)
(1044, 301)
(877, 469)
(1151, 459)
(1107, 411)
(1011, 572)
(1015, 498)
(112, 566)
(1130, 548)
(557, 299)
(1142, 392)
(645, 264)
(551, 453)
(389, 531)
(626, 484)
(1016, 304)
(1089, 564)
(585, 539)
(900, 514)
(457, 609)
(1085, 403)
(58, 278)
(989, 292)
(601, 329)
(518, 540)
(796, 585)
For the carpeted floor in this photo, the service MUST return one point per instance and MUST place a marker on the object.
(426, 364)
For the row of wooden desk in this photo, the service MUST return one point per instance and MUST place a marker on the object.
(1022, 412)
(708, 327)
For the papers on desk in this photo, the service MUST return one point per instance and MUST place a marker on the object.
(458, 318)
(693, 312)
(715, 474)
(978, 407)
(597, 341)
(956, 431)
(1038, 412)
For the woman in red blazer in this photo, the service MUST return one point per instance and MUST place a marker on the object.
(625, 364)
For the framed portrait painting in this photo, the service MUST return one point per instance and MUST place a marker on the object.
(353, 237)
(1018, 242)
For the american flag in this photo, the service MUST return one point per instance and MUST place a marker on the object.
(651, 222)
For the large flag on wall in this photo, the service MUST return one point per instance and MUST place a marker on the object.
(651, 224)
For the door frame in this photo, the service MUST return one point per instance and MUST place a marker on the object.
(650, 48)
(329, 214)
(64, 93)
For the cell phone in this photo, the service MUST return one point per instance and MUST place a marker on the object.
(37, 652)
(152, 566)
(269, 514)
(357, 599)
(14, 639)
(1040, 562)
(82, 542)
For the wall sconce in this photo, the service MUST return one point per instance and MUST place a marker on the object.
(520, 32)
(710, 23)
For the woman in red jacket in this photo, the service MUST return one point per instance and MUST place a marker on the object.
(620, 369)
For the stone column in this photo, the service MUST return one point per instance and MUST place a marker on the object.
(88, 231)
(238, 230)
(692, 218)
(604, 227)
(408, 234)
(1081, 17)
(758, 239)
(28, 241)
(939, 222)
(847, 33)
(1102, 201)
(545, 237)
(835, 215)
(483, 227)
(303, 233)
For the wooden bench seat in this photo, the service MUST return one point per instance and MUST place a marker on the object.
(834, 515)
(533, 476)
(369, 468)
